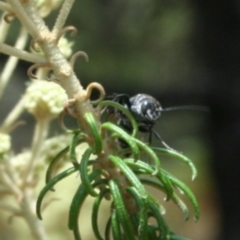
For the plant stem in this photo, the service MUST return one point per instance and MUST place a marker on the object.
(5, 7)
(9, 121)
(7, 181)
(24, 55)
(4, 28)
(9, 208)
(28, 211)
(61, 19)
(24, 17)
(40, 133)
(12, 61)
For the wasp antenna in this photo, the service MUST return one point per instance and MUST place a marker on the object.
(191, 108)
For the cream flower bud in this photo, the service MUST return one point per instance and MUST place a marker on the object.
(21, 161)
(45, 100)
(65, 47)
(5, 144)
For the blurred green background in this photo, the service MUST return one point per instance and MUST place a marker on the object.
(148, 47)
(181, 52)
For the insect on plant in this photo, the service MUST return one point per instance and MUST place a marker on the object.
(145, 109)
(105, 150)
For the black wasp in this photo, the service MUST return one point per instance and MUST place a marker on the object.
(145, 109)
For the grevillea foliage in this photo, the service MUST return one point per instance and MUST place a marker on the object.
(120, 176)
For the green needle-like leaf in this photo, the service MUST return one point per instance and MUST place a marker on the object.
(187, 192)
(116, 226)
(78, 201)
(95, 211)
(95, 130)
(121, 211)
(178, 156)
(152, 234)
(84, 172)
(76, 233)
(129, 174)
(76, 140)
(124, 111)
(151, 153)
(53, 163)
(167, 184)
(146, 168)
(143, 220)
(175, 237)
(107, 229)
(139, 166)
(120, 133)
(162, 226)
(175, 197)
(49, 186)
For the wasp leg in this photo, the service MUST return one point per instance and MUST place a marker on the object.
(157, 135)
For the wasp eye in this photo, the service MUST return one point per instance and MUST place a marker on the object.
(151, 110)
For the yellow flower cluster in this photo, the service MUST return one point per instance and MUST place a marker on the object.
(45, 100)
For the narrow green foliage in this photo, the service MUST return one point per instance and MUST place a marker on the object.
(179, 156)
(133, 179)
(76, 233)
(116, 227)
(142, 215)
(152, 233)
(161, 224)
(151, 154)
(120, 133)
(84, 172)
(77, 139)
(186, 190)
(49, 186)
(124, 111)
(143, 167)
(175, 198)
(120, 175)
(121, 211)
(95, 211)
(53, 163)
(108, 229)
(78, 201)
(175, 237)
(95, 132)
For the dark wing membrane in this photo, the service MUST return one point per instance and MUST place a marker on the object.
(110, 112)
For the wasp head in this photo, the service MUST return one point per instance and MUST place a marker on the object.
(145, 108)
